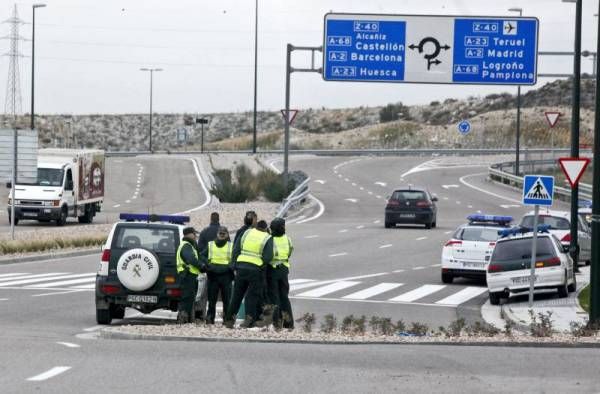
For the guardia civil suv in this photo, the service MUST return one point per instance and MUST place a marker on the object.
(138, 268)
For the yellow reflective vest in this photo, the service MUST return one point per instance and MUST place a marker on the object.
(182, 265)
(282, 250)
(219, 255)
(252, 245)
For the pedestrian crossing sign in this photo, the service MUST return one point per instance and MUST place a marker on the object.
(538, 190)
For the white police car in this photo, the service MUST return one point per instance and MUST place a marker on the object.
(509, 268)
(138, 268)
(467, 253)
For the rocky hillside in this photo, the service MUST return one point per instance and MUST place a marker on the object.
(394, 125)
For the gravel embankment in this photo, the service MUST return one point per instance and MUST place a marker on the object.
(203, 332)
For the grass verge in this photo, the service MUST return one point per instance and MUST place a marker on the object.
(584, 298)
(36, 245)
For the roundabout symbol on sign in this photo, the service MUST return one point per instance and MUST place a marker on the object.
(464, 127)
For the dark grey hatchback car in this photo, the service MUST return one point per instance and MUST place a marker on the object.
(411, 206)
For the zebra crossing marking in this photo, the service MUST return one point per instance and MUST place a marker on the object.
(28, 276)
(418, 293)
(328, 289)
(373, 291)
(462, 296)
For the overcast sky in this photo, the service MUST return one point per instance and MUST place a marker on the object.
(88, 53)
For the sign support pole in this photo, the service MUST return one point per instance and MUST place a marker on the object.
(595, 268)
(533, 255)
(14, 184)
(574, 250)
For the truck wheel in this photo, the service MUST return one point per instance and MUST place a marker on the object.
(447, 278)
(88, 216)
(103, 316)
(63, 217)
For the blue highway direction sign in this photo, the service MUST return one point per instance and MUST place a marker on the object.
(538, 190)
(464, 127)
(430, 49)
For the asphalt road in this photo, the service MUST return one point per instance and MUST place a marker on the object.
(137, 184)
(345, 263)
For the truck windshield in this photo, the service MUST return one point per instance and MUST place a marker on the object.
(49, 177)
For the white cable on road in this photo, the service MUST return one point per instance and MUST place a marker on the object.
(48, 374)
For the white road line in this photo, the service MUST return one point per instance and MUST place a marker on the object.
(305, 285)
(418, 268)
(382, 184)
(69, 344)
(327, 299)
(328, 289)
(343, 231)
(469, 206)
(462, 180)
(294, 281)
(116, 205)
(338, 254)
(353, 200)
(421, 238)
(353, 184)
(371, 193)
(378, 196)
(48, 374)
(3, 299)
(435, 265)
(318, 214)
(37, 280)
(398, 271)
(13, 274)
(420, 292)
(91, 286)
(134, 197)
(93, 328)
(447, 232)
(4, 280)
(347, 180)
(339, 175)
(458, 202)
(59, 292)
(311, 236)
(376, 221)
(462, 296)
(445, 198)
(128, 201)
(373, 291)
(359, 227)
(207, 195)
(385, 246)
(91, 278)
(362, 188)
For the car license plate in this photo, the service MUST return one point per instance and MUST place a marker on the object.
(30, 214)
(523, 279)
(407, 215)
(470, 264)
(146, 299)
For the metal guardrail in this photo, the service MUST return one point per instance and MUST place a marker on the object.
(353, 152)
(299, 194)
(496, 173)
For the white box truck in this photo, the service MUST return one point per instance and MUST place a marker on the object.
(70, 183)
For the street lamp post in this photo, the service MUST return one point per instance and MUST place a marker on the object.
(255, 75)
(33, 7)
(518, 140)
(151, 70)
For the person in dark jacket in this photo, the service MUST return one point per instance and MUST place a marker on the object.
(209, 233)
(189, 266)
(250, 220)
(220, 273)
(251, 254)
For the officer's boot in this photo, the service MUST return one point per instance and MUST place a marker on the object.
(228, 323)
(267, 316)
(288, 320)
(248, 322)
(182, 317)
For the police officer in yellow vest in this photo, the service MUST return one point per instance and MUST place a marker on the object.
(251, 254)
(189, 266)
(277, 275)
(219, 272)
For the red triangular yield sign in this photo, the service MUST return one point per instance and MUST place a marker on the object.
(552, 117)
(573, 168)
(293, 113)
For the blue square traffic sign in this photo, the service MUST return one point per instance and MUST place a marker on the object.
(538, 190)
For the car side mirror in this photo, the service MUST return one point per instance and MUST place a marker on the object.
(434, 198)
(9, 185)
(566, 248)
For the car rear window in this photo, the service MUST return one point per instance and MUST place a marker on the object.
(483, 234)
(556, 223)
(158, 240)
(520, 249)
(409, 195)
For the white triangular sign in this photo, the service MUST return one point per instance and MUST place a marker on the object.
(552, 118)
(573, 169)
(538, 191)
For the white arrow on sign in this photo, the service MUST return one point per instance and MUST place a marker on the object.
(354, 200)
(382, 184)
(573, 168)
(552, 117)
(322, 182)
(449, 186)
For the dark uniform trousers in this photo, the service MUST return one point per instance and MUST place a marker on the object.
(218, 283)
(279, 289)
(249, 282)
(189, 284)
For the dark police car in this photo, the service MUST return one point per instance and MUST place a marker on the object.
(139, 266)
(411, 206)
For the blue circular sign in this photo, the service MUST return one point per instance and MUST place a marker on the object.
(464, 127)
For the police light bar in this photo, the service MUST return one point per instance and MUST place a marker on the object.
(502, 220)
(142, 217)
(542, 228)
